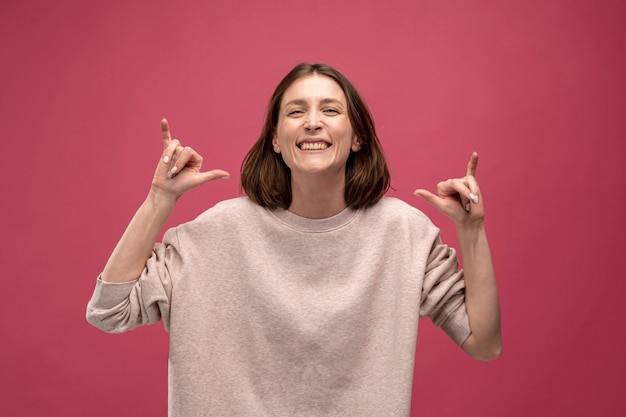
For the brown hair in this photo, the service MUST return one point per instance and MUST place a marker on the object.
(265, 177)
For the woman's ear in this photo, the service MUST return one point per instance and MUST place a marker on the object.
(356, 144)
(275, 144)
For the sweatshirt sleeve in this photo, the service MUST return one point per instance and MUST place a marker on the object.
(119, 307)
(443, 293)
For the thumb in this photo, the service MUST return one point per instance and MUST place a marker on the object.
(428, 196)
(214, 174)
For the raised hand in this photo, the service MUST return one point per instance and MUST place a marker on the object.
(458, 198)
(180, 168)
(177, 172)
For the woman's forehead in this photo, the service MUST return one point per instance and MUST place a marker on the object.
(314, 88)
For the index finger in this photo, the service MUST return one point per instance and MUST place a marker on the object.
(472, 164)
(165, 133)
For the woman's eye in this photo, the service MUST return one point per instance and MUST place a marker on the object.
(295, 112)
(331, 111)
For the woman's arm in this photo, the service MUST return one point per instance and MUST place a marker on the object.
(481, 295)
(460, 200)
(177, 172)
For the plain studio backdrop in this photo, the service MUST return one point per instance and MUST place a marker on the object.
(536, 87)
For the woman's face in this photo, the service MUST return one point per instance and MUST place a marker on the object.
(314, 134)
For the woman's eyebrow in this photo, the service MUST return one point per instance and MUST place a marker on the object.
(302, 102)
(296, 102)
(331, 101)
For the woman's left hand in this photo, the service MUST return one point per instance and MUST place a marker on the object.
(459, 198)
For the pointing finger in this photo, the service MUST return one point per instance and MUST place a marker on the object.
(472, 164)
(165, 133)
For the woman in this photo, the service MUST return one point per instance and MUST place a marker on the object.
(302, 298)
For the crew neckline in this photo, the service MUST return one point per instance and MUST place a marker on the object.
(304, 224)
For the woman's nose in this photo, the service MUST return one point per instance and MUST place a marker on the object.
(312, 122)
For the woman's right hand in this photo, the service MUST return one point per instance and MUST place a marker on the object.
(180, 168)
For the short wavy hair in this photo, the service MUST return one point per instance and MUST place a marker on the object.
(266, 179)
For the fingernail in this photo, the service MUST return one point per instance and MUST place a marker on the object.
(474, 198)
(166, 159)
(468, 207)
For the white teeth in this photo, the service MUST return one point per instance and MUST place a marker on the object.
(317, 146)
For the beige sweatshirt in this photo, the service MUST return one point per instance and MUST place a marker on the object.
(271, 314)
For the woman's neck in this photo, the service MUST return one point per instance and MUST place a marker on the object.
(317, 198)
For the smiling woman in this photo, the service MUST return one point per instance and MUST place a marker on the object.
(303, 297)
(312, 102)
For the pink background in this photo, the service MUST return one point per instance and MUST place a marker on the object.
(537, 87)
